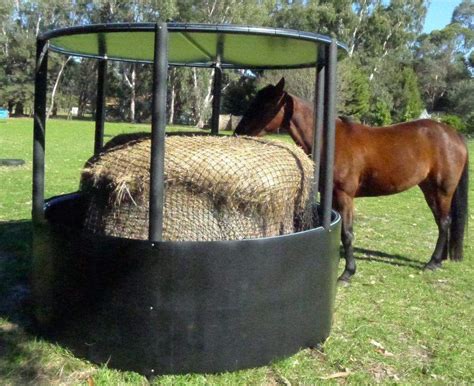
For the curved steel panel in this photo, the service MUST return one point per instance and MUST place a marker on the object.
(179, 307)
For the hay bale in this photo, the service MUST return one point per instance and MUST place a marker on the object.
(216, 188)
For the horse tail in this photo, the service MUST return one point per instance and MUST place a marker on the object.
(459, 215)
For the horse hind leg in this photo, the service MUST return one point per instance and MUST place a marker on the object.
(440, 252)
(440, 205)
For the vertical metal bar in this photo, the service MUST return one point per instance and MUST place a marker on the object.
(216, 99)
(100, 106)
(158, 126)
(318, 117)
(217, 86)
(330, 132)
(39, 129)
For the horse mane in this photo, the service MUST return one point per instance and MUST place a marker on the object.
(347, 119)
(301, 100)
(344, 118)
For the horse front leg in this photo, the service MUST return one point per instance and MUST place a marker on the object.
(344, 204)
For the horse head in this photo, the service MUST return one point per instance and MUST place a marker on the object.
(265, 113)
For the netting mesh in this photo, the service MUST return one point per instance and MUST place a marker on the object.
(216, 188)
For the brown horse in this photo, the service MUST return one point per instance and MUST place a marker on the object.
(375, 161)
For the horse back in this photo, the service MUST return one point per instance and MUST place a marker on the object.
(372, 161)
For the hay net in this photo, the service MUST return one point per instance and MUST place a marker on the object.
(216, 188)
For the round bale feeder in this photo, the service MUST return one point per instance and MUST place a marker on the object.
(169, 307)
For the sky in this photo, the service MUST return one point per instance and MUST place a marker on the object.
(439, 14)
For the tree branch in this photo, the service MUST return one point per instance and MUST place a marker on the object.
(125, 77)
(212, 9)
(385, 50)
(356, 29)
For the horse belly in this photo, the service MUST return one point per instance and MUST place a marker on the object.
(391, 181)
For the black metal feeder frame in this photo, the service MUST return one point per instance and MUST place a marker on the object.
(158, 306)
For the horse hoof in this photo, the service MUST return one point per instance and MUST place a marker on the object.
(343, 282)
(432, 266)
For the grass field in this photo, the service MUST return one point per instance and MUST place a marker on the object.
(394, 324)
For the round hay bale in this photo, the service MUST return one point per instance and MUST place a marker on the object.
(216, 188)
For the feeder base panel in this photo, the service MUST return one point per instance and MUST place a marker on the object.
(181, 307)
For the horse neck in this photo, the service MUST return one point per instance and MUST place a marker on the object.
(298, 120)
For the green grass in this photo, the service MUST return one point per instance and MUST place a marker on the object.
(394, 324)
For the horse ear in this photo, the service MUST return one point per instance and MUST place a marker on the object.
(280, 85)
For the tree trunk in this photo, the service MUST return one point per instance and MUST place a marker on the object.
(385, 52)
(19, 109)
(132, 85)
(5, 47)
(56, 83)
(172, 102)
(82, 104)
(206, 103)
(133, 93)
(196, 95)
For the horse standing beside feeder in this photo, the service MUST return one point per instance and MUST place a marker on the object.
(376, 161)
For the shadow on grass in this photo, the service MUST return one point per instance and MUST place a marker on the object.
(385, 258)
(15, 237)
(17, 362)
(15, 268)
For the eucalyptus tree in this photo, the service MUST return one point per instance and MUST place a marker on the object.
(381, 45)
(444, 68)
(353, 91)
(21, 22)
(194, 90)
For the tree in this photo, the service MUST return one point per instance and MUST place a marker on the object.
(383, 38)
(463, 16)
(298, 82)
(443, 64)
(354, 91)
(388, 28)
(379, 114)
(411, 104)
(238, 95)
(322, 16)
(379, 35)
(213, 11)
